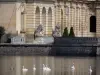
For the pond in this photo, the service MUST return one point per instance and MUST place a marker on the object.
(49, 65)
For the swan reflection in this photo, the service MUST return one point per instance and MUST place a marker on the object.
(90, 70)
(34, 68)
(73, 67)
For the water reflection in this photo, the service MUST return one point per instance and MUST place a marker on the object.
(46, 65)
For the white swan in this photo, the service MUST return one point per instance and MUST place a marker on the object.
(24, 69)
(46, 68)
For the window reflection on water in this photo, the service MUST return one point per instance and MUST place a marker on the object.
(47, 65)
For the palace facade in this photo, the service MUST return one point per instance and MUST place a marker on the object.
(25, 16)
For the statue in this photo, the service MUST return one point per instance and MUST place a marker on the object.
(38, 32)
(56, 32)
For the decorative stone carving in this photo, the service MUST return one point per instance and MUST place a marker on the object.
(39, 31)
(18, 40)
(56, 32)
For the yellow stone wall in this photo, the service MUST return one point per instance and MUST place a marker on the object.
(98, 21)
(8, 16)
(69, 14)
(66, 14)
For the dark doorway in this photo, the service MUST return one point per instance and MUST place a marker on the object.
(93, 24)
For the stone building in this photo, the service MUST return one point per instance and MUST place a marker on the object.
(23, 16)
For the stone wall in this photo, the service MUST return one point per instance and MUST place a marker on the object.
(98, 21)
(61, 47)
(69, 14)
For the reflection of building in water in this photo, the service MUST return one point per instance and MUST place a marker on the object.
(45, 65)
(26, 16)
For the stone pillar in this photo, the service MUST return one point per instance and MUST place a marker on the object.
(34, 16)
(72, 16)
(80, 22)
(75, 21)
(86, 21)
(82, 19)
(46, 21)
(53, 17)
(98, 21)
(25, 17)
(66, 15)
(84, 32)
(69, 20)
(18, 17)
(79, 17)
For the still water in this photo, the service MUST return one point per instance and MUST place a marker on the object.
(49, 65)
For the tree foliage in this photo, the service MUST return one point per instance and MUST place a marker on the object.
(8, 38)
(2, 31)
(65, 34)
(71, 34)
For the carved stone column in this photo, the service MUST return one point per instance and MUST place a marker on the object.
(18, 17)
(46, 21)
(98, 21)
(53, 17)
(34, 16)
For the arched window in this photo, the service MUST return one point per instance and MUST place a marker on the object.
(93, 24)
(44, 19)
(37, 17)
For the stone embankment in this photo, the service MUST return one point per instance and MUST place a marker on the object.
(60, 47)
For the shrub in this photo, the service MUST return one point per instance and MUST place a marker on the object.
(8, 38)
(65, 34)
(71, 34)
(2, 31)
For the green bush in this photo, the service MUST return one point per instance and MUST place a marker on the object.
(8, 38)
(65, 34)
(71, 34)
(2, 31)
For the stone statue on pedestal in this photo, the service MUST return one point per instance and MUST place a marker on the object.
(38, 32)
(56, 32)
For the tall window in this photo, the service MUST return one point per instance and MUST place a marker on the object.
(44, 19)
(37, 17)
(92, 24)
